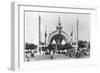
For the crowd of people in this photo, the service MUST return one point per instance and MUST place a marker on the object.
(83, 50)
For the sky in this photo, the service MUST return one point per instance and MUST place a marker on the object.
(51, 21)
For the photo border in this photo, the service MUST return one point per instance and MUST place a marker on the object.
(15, 51)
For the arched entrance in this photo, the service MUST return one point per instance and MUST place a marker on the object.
(58, 38)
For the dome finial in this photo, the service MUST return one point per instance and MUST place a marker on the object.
(59, 20)
(59, 27)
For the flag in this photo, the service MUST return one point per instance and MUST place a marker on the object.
(71, 33)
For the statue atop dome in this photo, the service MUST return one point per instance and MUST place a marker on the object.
(59, 27)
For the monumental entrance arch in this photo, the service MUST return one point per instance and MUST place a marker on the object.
(59, 36)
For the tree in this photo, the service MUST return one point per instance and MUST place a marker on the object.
(30, 46)
(81, 44)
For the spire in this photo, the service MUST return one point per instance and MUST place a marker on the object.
(39, 29)
(59, 22)
(59, 27)
(39, 19)
(77, 24)
(77, 28)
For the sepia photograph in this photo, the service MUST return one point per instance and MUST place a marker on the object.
(54, 36)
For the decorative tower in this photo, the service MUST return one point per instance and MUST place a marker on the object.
(39, 33)
(77, 24)
(59, 27)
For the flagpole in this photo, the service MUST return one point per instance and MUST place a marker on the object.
(77, 32)
(77, 28)
(73, 33)
(45, 34)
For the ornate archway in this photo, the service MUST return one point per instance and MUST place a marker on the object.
(58, 37)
